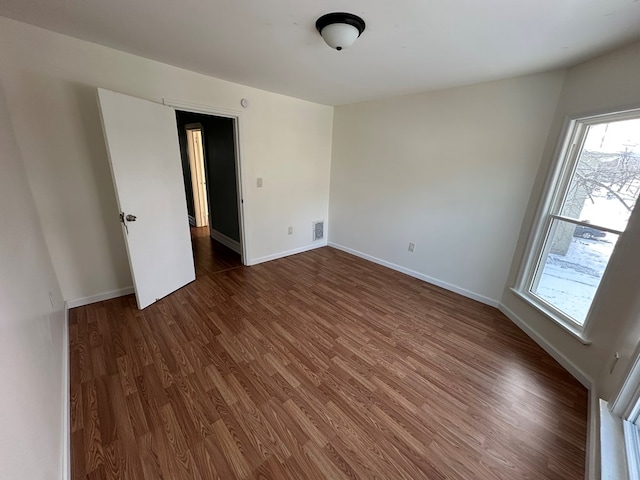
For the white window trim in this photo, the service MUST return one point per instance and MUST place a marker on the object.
(624, 411)
(632, 449)
(613, 459)
(562, 320)
(572, 135)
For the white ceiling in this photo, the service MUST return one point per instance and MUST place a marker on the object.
(408, 46)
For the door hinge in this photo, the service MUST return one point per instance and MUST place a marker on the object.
(123, 221)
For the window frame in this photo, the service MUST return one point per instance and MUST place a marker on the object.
(625, 409)
(565, 158)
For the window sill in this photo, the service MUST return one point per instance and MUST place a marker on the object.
(569, 327)
(613, 461)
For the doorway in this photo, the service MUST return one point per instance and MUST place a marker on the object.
(195, 152)
(208, 148)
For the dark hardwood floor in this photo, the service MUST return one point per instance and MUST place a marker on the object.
(320, 365)
(211, 256)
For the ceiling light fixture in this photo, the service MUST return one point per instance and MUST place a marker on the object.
(340, 29)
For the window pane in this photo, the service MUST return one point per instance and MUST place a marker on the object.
(605, 184)
(571, 267)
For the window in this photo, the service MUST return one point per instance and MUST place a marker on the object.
(589, 199)
(624, 417)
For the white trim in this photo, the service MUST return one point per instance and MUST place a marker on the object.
(537, 230)
(238, 131)
(551, 314)
(80, 302)
(580, 223)
(613, 461)
(412, 273)
(276, 256)
(568, 365)
(226, 241)
(631, 443)
(202, 108)
(592, 448)
(613, 114)
(66, 400)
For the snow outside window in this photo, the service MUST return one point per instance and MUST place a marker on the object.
(595, 188)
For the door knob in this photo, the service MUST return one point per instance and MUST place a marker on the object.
(130, 218)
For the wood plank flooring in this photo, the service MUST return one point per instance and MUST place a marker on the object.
(211, 256)
(316, 366)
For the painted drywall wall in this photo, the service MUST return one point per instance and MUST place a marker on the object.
(603, 84)
(450, 171)
(221, 176)
(50, 82)
(31, 329)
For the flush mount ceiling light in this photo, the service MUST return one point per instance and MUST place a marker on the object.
(340, 29)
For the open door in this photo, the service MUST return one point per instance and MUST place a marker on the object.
(144, 155)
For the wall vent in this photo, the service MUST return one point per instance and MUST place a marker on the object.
(318, 230)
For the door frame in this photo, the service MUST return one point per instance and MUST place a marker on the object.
(198, 176)
(236, 116)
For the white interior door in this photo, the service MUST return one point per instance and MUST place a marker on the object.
(142, 143)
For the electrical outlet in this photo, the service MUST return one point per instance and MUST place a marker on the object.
(259, 182)
(290, 231)
(412, 247)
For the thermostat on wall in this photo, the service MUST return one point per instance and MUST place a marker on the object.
(244, 102)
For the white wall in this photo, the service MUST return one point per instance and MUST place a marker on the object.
(31, 331)
(608, 82)
(450, 171)
(50, 82)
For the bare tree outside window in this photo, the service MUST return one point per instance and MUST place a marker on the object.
(600, 194)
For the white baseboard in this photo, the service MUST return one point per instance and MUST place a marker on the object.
(592, 463)
(66, 400)
(79, 302)
(275, 256)
(412, 273)
(226, 241)
(568, 365)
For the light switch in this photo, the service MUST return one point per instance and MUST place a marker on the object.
(259, 182)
